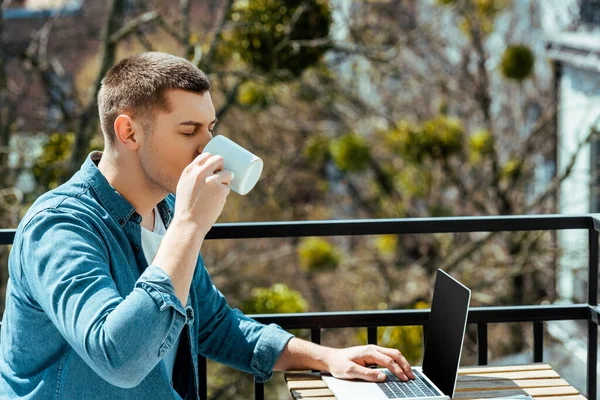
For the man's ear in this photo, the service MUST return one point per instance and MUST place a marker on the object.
(125, 131)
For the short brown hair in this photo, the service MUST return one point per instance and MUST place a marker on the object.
(137, 84)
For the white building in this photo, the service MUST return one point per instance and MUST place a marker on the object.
(576, 57)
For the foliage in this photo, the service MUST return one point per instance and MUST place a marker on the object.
(413, 181)
(407, 339)
(49, 168)
(265, 33)
(387, 244)
(277, 299)
(480, 13)
(512, 169)
(316, 149)
(438, 138)
(252, 94)
(318, 254)
(517, 62)
(481, 144)
(350, 152)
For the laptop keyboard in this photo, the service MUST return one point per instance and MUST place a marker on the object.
(394, 388)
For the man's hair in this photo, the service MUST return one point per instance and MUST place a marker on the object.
(137, 85)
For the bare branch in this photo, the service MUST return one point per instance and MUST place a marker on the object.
(4, 112)
(133, 26)
(184, 8)
(290, 27)
(114, 20)
(207, 64)
(559, 179)
(465, 252)
(230, 99)
(139, 35)
(171, 30)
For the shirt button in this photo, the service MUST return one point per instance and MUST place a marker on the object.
(136, 249)
(121, 221)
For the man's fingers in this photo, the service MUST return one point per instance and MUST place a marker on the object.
(201, 159)
(225, 177)
(212, 164)
(367, 374)
(399, 360)
(383, 360)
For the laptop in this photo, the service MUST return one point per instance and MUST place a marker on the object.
(436, 379)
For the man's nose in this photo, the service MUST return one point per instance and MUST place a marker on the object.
(201, 147)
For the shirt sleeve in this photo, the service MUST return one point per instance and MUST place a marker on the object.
(228, 336)
(66, 266)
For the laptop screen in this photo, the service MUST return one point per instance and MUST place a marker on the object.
(445, 332)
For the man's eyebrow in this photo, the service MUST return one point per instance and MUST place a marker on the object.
(196, 123)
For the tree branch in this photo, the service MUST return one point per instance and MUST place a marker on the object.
(139, 35)
(171, 30)
(184, 9)
(114, 20)
(230, 99)
(133, 26)
(207, 64)
(4, 107)
(559, 179)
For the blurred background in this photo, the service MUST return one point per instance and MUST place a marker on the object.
(360, 109)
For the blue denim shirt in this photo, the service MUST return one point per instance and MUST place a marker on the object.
(86, 317)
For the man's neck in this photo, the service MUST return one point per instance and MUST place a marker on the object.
(127, 177)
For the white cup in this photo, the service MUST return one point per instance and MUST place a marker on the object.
(245, 166)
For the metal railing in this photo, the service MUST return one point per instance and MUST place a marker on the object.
(480, 316)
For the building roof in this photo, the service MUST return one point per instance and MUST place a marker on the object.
(579, 49)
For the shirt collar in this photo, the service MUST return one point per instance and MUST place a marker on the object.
(120, 209)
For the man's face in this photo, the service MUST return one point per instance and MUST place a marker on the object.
(177, 137)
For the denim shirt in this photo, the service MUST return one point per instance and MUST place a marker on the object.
(87, 317)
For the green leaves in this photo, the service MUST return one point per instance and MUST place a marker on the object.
(277, 299)
(439, 137)
(316, 149)
(252, 94)
(350, 153)
(266, 33)
(481, 144)
(48, 168)
(317, 255)
(517, 62)
(409, 339)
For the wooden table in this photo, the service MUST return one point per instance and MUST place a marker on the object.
(538, 380)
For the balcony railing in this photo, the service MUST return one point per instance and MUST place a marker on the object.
(479, 316)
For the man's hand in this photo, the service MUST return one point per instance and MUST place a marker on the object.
(351, 363)
(201, 192)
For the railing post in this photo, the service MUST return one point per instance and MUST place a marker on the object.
(592, 370)
(482, 344)
(315, 336)
(538, 341)
(372, 335)
(202, 377)
(259, 391)
(424, 339)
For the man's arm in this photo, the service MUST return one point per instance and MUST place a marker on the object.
(201, 193)
(66, 266)
(349, 363)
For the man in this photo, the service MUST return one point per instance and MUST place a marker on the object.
(108, 297)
